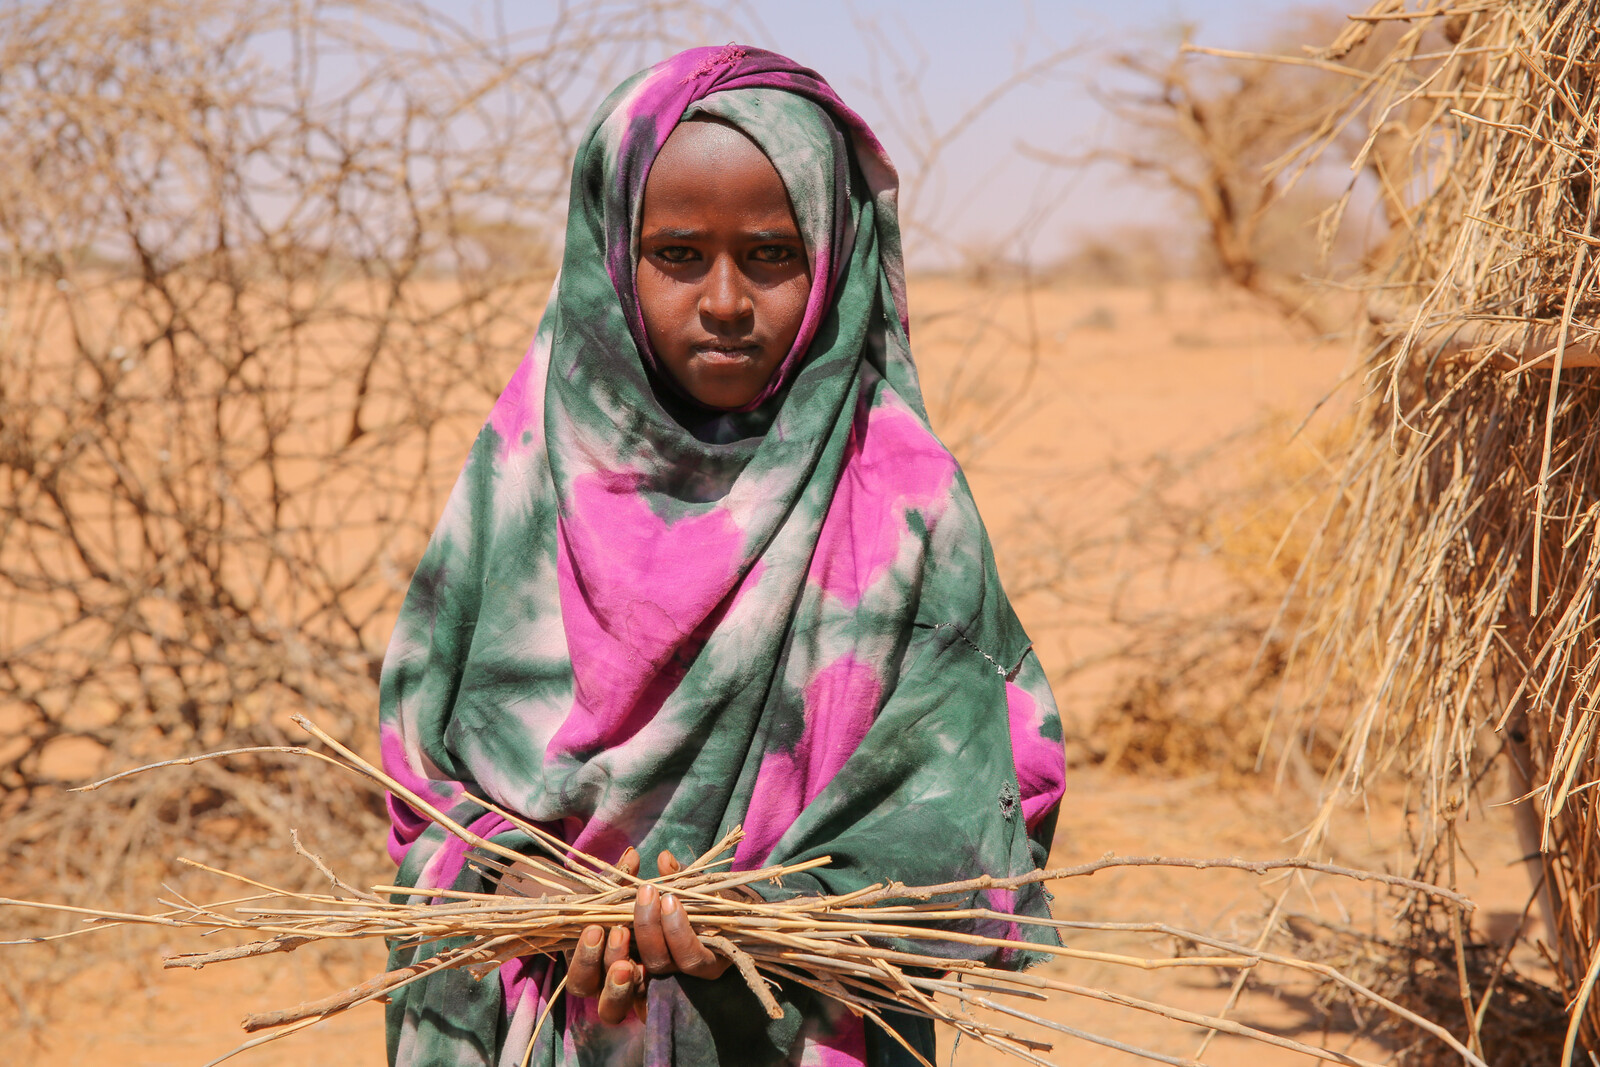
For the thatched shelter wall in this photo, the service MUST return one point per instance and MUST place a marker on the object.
(1462, 541)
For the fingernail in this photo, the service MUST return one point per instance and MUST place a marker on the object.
(592, 937)
(647, 895)
(627, 854)
(669, 903)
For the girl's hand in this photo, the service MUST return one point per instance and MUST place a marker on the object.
(602, 966)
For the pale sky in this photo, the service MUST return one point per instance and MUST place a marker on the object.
(981, 190)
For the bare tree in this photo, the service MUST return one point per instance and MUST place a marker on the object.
(1218, 133)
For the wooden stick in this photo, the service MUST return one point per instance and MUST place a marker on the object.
(266, 1020)
(898, 891)
(747, 969)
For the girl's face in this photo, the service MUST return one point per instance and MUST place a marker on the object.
(723, 278)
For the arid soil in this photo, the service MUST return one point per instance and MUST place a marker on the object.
(1065, 406)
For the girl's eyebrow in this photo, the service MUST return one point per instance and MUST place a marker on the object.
(679, 233)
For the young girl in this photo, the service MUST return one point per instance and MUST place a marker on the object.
(707, 566)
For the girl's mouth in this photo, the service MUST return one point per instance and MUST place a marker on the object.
(726, 353)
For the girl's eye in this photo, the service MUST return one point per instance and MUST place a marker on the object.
(774, 254)
(676, 254)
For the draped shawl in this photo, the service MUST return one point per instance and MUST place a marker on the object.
(643, 623)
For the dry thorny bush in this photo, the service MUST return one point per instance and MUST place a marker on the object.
(265, 267)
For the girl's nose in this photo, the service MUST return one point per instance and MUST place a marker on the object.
(725, 297)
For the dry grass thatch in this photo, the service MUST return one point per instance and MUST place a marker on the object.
(885, 947)
(1463, 537)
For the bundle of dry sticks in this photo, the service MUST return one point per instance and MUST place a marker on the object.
(837, 946)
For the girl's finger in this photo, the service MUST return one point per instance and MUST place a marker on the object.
(652, 945)
(668, 863)
(629, 862)
(641, 986)
(616, 946)
(616, 999)
(585, 972)
(689, 953)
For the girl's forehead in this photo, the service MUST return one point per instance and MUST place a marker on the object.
(714, 173)
(804, 144)
(708, 145)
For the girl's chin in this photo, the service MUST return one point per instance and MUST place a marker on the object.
(725, 381)
(723, 398)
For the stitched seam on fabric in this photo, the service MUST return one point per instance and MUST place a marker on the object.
(1010, 798)
(1000, 668)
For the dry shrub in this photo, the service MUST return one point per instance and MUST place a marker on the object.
(265, 265)
(1418, 965)
(1211, 546)
(1462, 549)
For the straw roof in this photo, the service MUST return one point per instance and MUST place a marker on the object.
(1460, 549)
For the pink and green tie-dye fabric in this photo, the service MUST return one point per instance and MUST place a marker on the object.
(643, 623)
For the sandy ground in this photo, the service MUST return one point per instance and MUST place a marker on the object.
(1059, 402)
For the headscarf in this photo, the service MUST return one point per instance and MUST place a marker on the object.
(640, 622)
